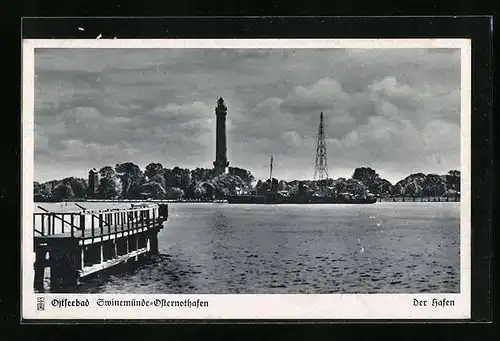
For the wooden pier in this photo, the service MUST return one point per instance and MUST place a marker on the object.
(77, 244)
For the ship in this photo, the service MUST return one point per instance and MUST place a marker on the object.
(273, 197)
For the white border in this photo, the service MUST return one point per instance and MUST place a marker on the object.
(336, 306)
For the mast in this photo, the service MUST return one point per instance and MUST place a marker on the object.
(321, 167)
(271, 171)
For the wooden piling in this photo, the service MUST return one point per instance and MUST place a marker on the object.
(40, 264)
(65, 265)
(153, 238)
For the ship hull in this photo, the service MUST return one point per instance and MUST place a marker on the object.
(257, 199)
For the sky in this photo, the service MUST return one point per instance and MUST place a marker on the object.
(395, 110)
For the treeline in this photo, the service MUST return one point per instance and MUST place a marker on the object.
(365, 180)
(129, 181)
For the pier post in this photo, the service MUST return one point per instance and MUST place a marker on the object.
(119, 246)
(101, 252)
(40, 263)
(108, 250)
(92, 254)
(65, 265)
(82, 257)
(153, 242)
(136, 237)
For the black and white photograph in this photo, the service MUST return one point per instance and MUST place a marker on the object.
(199, 174)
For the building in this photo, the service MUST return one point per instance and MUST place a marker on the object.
(220, 164)
(93, 182)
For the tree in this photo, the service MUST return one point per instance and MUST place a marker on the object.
(453, 180)
(339, 185)
(384, 187)
(41, 192)
(153, 170)
(131, 178)
(201, 174)
(107, 172)
(411, 185)
(410, 190)
(36, 191)
(63, 191)
(243, 174)
(135, 191)
(227, 184)
(154, 190)
(110, 186)
(49, 186)
(199, 192)
(170, 178)
(356, 187)
(398, 189)
(206, 189)
(185, 177)
(303, 189)
(189, 192)
(158, 179)
(433, 186)
(293, 187)
(283, 186)
(368, 177)
(174, 193)
(78, 185)
(417, 178)
(177, 177)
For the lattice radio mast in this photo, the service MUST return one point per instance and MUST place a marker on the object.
(321, 169)
(271, 170)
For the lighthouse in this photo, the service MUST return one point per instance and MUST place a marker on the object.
(220, 164)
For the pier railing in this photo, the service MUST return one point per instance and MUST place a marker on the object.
(90, 223)
(47, 224)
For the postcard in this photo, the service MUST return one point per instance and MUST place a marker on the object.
(246, 179)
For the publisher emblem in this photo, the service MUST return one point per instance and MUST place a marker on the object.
(40, 304)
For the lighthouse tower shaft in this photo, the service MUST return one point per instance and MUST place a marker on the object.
(321, 167)
(220, 164)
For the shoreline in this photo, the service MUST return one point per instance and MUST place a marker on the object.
(159, 201)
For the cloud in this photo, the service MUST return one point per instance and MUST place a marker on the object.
(397, 110)
(326, 93)
(389, 87)
(292, 139)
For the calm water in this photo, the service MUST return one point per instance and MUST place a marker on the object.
(221, 248)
